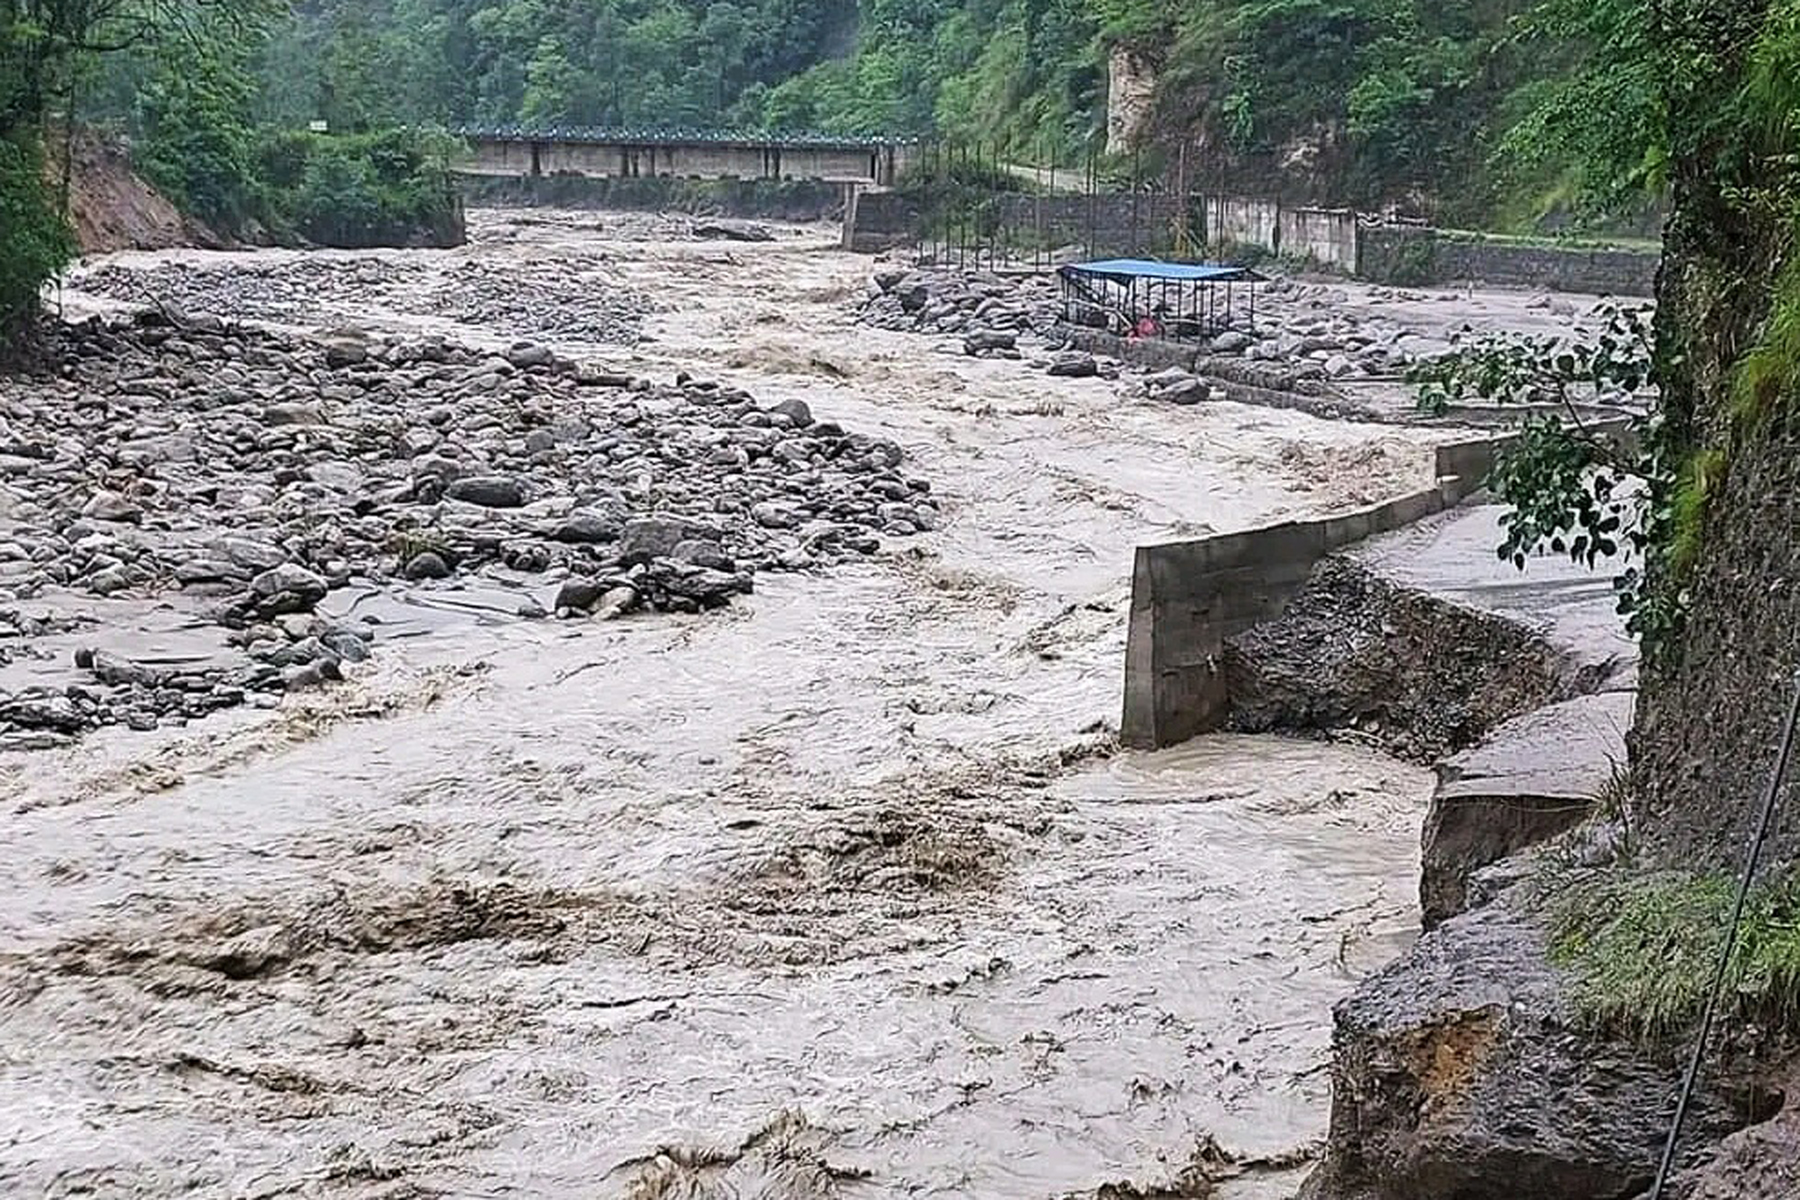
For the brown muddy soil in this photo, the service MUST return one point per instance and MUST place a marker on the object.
(111, 207)
(843, 891)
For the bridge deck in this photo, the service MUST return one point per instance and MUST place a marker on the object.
(684, 153)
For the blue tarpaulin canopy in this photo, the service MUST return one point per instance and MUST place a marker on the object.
(1124, 270)
(1140, 297)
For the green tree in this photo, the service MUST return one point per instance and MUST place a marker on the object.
(34, 238)
(552, 86)
(197, 143)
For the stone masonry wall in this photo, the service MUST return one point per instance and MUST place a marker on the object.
(1420, 257)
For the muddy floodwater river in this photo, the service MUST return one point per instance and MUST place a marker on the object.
(841, 891)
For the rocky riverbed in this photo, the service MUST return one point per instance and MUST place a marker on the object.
(1334, 348)
(842, 881)
(261, 472)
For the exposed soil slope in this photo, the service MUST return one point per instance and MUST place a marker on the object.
(112, 208)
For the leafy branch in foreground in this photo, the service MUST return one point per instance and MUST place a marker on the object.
(1583, 476)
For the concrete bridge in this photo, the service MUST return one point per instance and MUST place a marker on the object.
(686, 153)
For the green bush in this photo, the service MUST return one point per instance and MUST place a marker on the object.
(1643, 950)
(35, 241)
(391, 187)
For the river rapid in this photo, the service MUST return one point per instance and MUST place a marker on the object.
(842, 891)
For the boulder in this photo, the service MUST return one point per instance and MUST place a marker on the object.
(703, 552)
(427, 565)
(1531, 778)
(577, 594)
(253, 554)
(1462, 1070)
(1074, 364)
(587, 528)
(489, 491)
(294, 413)
(529, 354)
(645, 538)
(615, 602)
(111, 506)
(775, 514)
(987, 341)
(794, 410)
(1185, 391)
(345, 352)
(721, 231)
(290, 579)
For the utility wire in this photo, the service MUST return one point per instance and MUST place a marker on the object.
(1752, 854)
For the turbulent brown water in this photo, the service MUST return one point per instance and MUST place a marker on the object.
(837, 893)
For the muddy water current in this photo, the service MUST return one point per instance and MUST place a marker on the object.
(841, 892)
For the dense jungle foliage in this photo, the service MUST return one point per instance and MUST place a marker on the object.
(1493, 112)
(1493, 109)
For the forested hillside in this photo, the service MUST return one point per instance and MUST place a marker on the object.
(1482, 110)
(1504, 113)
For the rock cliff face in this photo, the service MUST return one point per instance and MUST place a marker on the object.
(1736, 658)
(1763, 1160)
(1460, 1072)
(1130, 97)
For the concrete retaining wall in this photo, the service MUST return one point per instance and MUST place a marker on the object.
(1325, 235)
(1233, 220)
(878, 221)
(770, 199)
(1333, 237)
(1105, 225)
(1419, 257)
(1187, 598)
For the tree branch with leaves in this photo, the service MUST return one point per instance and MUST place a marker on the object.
(1583, 474)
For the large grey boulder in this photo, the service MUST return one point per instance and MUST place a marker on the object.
(645, 538)
(1462, 1072)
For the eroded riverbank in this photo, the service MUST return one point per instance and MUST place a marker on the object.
(838, 891)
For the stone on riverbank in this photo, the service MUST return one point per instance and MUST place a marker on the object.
(1462, 1070)
(438, 463)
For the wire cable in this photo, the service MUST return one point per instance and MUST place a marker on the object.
(1752, 855)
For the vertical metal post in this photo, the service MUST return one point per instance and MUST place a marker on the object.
(1136, 245)
(962, 228)
(1037, 214)
(1092, 183)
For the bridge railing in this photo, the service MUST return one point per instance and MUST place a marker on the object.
(679, 135)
